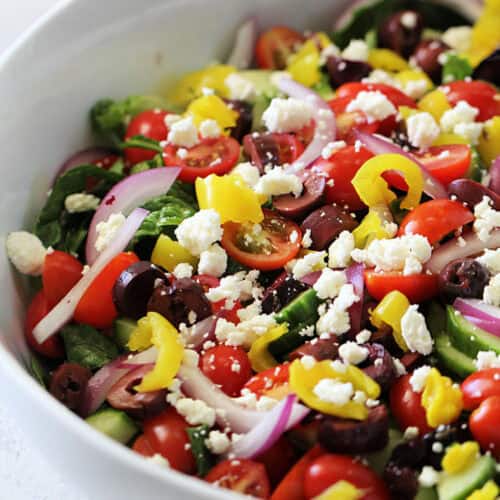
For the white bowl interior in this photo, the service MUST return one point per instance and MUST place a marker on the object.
(82, 51)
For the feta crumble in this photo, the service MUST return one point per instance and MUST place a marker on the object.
(307, 264)
(81, 202)
(339, 252)
(458, 38)
(487, 359)
(491, 292)
(213, 261)
(357, 50)
(331, 147)
(248, 172)
(419, 377)
(329, 283)
(183, 270)
(415, 332)
(363, 336)
(287, 115)
(195, 411)
(183, 132)
(373, 104)
(353, 353)
(487, 218)
(240, 88)
(276, 182)
(422, 130)
(26, 252)
(429, 477)
(491, 260)
(461, 120)
(335, 318)
(238, 286)
(106, 230)
(332, 391)
(197, 233)
(217, 442)
(209, 129)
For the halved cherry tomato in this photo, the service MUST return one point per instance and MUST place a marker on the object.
(275, 149)
(394, 95)
(406, 406)
(211, 156)
(242, 476)
(228, 367)
(274, 47)
(96, 307)
(269, 379)
(151, 124)
(292, 485)
(305, 135)
(330, 468)
(483, 424)
(341, 167)
(435, 219)
(480, 95)
(37, 310)
(480, 386)
(417, 287)
(278, 460)
(61, 272)
(166, 434)
(206, 281)
(270, 249)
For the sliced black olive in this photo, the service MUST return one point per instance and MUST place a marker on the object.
(463, 278)
(319, 349)
(380, 365)
(68, 385)
(244, 121)
(489, 69)
(426, 56)
(343, 71)
(281, 292)
(401, 32)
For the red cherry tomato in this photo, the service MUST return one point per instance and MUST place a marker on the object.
(406, 406)
(150, 124)
(38, 309)
(393, 94)
(274, 47)
(341, 167)
(61, 272)
(143, 447)
(166, 434)
(329, 469)
(435, 219)
(483, 424)
(268, 380)
(211, 156)
(96, 307)
(271, 249)
(228, 367)
(480, 95)
(278, 460)
(206, 281)
(242, 476)
(480, 386)
(417, 287)
(292, 485)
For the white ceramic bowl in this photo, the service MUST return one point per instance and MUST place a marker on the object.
(81, 51)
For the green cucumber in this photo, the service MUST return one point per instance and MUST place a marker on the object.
(288, 342)
(476, 167)
(460, 486)
(302, 309)
(469, 338)
(451, 358)
(204, 459)
(115, 424)
(426, 494)
(122, 330)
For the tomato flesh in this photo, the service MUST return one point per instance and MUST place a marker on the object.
(480, 386)
(396, 96)
(267, 380)
(274, 47)
(478, 94)
(447, 163)
(483, 424)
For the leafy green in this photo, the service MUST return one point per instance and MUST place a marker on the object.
(476, 168)
(142, 142)
(87, 347)
(366, 18)
(38, 371)
(398, 213)
(204, 459)
(371, 39)
(455, 68)
(323, 87)
(142, 166)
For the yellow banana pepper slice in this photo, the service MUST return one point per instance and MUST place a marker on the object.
(485, 32)
(435, 103)
(212, 107)
(489, 491)
(387, 60)
(341, 490)
(372, 227)
(167, 253)
(460, 456)
(489, 141)
(260, 357)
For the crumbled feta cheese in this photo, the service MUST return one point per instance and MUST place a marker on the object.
(329, 283)
(213, 261)
(429, 477)
(197, 233)
(245, 332)
(307, 264)
(81, 202)
(411, 433)
(339, 252)
(400, 368)
(247, 399)
(359, 397)
(306, 239)
(238, 286)
(106, 230)
(415, 332)
(471, 131)
(182, 153)
(276, 182)
(308, 361)
(409, 19)
(195, 411)
(422, 130)
(381, 76)
(352, 353)
(491, 292)
(331, 147)
(437, 447)
(250, 311)
(183, 270)
(217, 442)
(487, 218)
(330, 50)
(248, 172)
(26, 252)
(240, 88)
(172, 118)
(335, 319)
(415, 88)
(307, 331)
(357, 50)
(363, 336)
(209, 129)
(458, 38)
(158, 459)
(373, 104)
(491, 260)
(460, 120)
(332, 391)
(487, 359)
(191, 357)
(287, 115)
(183, 132)
(418, 378)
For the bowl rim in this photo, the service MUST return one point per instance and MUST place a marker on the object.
(21, 380)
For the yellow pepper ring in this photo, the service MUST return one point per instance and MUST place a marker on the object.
(373, 189)
(260, 358)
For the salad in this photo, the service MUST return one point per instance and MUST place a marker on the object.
(284, 279)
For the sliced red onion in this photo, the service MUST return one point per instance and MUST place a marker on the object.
(311, 278)
(128, 194)
(242, 54)
(378, 145)
(63, 311)
(266, 432)
(355, 276)
(87, 156)
(483, 315)
(200, 332)
(459, 248)
(492, 327)
(326, 129)
(494, 172)
(142, 358)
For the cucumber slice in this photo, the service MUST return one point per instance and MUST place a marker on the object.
(469, 338)
(426, 494)
(122, 330)
(285, 344)
(460, 486)
(378, 460)
(115, 424)
(451, 358)
(301, 310)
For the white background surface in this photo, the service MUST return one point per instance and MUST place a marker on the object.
(25, 473)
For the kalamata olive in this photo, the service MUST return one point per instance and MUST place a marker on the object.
(343, 71)
(489, 69)
(326, 223)
(426, 56)
(244, 121)
(385, 337)
(262, 150)
(412, 360)
(319, 349)
(401, 32)
(341, 435)
(68, 384)
(312, 195)
(134, 287)
(472, 192)
(494, 172)
(463, 278)
(410, 453)
(281, 292)
(182, 302)
(401, 481)
(380, 365)
(140, 405)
